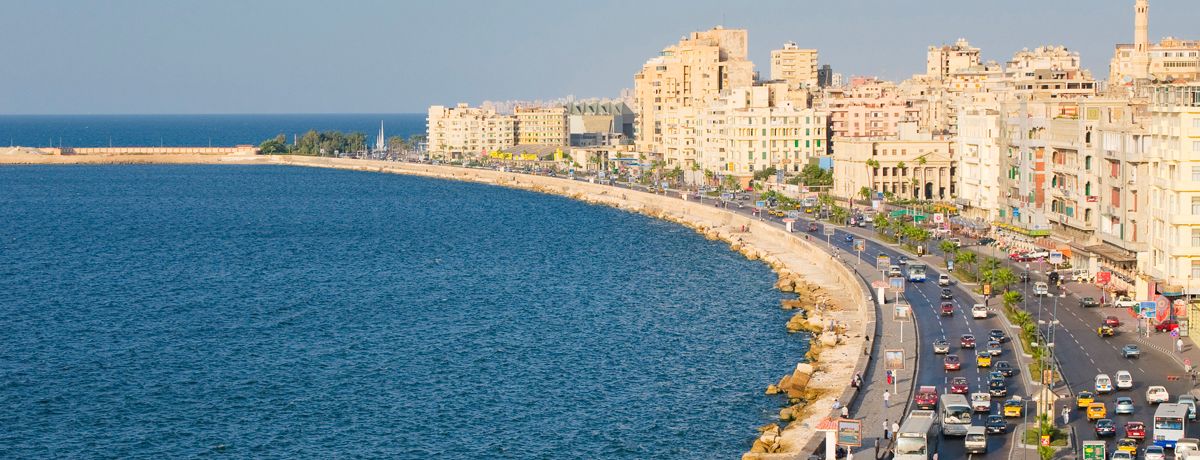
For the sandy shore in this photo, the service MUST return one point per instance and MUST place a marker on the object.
(838, 356)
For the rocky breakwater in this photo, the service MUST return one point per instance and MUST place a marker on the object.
(830, 302)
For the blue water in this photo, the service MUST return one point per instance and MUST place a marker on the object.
(190, 130)
(263, 311)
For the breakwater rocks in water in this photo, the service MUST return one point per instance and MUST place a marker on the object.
(830, 302)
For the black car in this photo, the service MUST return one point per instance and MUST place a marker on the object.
(996, 424)
(997, 335)
(1024, 277)
(1089, 302)
(986, 241)
(1003, 367)
(947, 294)
(1052, 277)
(997, 388)
(1105, 427)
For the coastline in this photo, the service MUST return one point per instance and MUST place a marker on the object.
(800, 265)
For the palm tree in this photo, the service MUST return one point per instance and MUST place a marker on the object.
(865, 193)
(948, 248)
(874, 169)
(1012, 298)
(1002, 278)
(964, 259)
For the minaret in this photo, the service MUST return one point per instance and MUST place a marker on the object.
(1141, 39)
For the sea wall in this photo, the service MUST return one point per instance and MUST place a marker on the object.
(832, 302)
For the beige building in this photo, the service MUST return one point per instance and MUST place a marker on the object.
(980, 145)
(868, 108)
(542, 126)
(682, 80)
(794, 65)
(1173, 180)
(455, 132)
(943, 61)
(1169, 59)
(748, 130)
(906, 168)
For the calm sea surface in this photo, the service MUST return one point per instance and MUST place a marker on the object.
(259, 311)
(191, 130)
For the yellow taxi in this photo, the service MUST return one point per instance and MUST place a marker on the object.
(1084, 399)
(1013, 407)
(983, 359)
(1096, 411)
(1128, 445)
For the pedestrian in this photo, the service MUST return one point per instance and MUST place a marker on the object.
(886, 426)
(895, 427)
(1179, 345)
(1066, 414)
(845, 412)
(887, 397)
(837, 404)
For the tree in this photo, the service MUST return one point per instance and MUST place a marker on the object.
(1012, 298)
(949, 248)
(813, 175)
(274, 146)
(991, 263)
(964, 258)
(1002, 278)
(865, 193)
(764, 174)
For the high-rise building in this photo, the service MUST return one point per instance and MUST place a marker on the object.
(1173, 180)
(681, 81)
(825, 76)
(542, 126)
(869, 107)
(754, 128)
(463, 131)
(794, 65)
(942, 61)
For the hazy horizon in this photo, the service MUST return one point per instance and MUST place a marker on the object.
(140, 57)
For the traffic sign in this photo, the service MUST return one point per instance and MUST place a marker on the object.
(828, 230)
(896, 282)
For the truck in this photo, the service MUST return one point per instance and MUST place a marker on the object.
(918, 437)
(955, 414)
(916, 273)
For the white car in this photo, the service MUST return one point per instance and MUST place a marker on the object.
(943, 280)
(981, 402)
(1157, 394)
(1121, 455)
(1154, 453)
(1124, 302)
(894, 270)
(1040, 288)
(1124, 380)
(1103, 383)
(978, 311)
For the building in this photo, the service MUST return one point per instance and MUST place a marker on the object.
(755, 128)
(682, 80)
(1168, 60)
(794, 65)
(455, 132)
(596, 123)
(913, 166)
(825, 76)
(1173, 181)
(868, 108)
(980, 146)
(542, 126)
(943, 61)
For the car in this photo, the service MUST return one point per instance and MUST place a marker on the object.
(979, 311)
(1128, 445)
(1112, 321)
(996, 425)
(1121, 455)
(812, 226)
(926, 398)
(986, 241)
(1089, 302)
(894, 270)
(951, 363)
(1190, 402)
(1131, 351)
(1166, 326)
(959, 385)
(956, 242)
(1124, 302)
(998, 335)
(995, 375)
(1040, 288)
(1105, 331)
(941, 346)
(1016, 256)
(975, 442)
(997, 388)
(1124, 380)
(947, 294)
(943, 280)
(1157, 394)
(1024, 277)
(1153, 452)
(849, 238)
(994, 348)
(1014, 407)
(1103, 383)
(862, 223)
(981, 402)
(1004, 368)
(902, 260)
(1096, 411)
(1084, 399)
(1124, 405)
(947, 309)
(1135, 430)
(1105, 427)
(983, 359)
(967, 341)
(1185, 446)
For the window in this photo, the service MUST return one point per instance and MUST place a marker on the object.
(1195, 269)
(1196, 237)
(1196, 206)
(1116, 197)
(1196, 146)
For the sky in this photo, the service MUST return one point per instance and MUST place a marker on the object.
(385, 56)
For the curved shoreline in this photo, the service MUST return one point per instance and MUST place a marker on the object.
(810, 389)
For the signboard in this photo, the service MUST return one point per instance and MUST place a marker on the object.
(902, 313)
(893, 360)
(987, 289)
(1048, 377)
(879, 284)
(1104, 277)
(828, 230)
(1162, 307)
(760, 204)
(1093, 199)
(1146, 309)
(1046, 440)
(1095, 450)
(1055, 258)
(849, 432)
(939, 218)
(896, 282)
(882, 262)
(860, 245)
(1180, 308)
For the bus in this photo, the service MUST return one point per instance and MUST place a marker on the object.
(956, 414)
(916, 273)
(1169, 422)
(918, 437)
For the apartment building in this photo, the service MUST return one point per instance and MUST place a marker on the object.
(868, 108)
(794, 65)
(462, 131)
(981, 146)
(542, 126)
(943, 61)
(1169, 59)
(1173, 180)
(754, 128)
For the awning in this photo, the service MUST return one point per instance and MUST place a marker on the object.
(1023, 230)
(1112, 253)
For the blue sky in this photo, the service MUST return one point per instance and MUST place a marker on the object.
(305, 56)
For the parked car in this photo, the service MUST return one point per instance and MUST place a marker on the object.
(1124, 405)
(941, 346)
(1157, 394)
(1089, 302)
(1131, 351)
(1166, 326)
(1124, 302)
(986, 241)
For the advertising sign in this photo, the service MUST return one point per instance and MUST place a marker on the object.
(893, 360)
(828, 230)
(902, 313)
(1146, 309)
(1095, 450)
(882, 262)
(1104, 277)
(860, 245)
(896, 282)
(849, 432)
(1162, 307)
(1055, 258)
(939, 218)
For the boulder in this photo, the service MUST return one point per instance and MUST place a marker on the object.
(829, 339)
(791, 304)
(772, 390)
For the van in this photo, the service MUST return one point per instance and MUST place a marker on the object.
(1187, 446)
(976, 441)
(1079, 275)
(1040, 288)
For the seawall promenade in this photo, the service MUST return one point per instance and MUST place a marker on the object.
(845, 302)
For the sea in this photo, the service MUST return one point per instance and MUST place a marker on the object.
(172, 311)
(191, 130)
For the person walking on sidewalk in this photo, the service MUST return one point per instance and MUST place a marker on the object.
(886, 426)
(1179, 345)
(1066, 414)
(887, 397)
